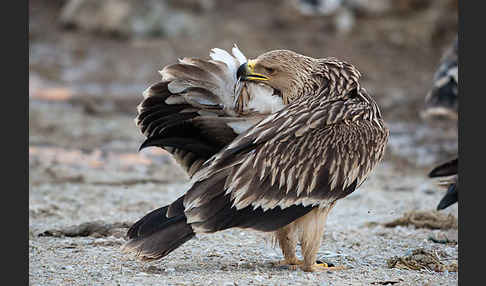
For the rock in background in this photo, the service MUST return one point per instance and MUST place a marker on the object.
(132, 18)
(400, 17)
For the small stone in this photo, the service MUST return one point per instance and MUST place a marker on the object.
(170, 269)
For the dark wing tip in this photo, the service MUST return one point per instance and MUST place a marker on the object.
(147, 143)
(450, 197)
(448, 168)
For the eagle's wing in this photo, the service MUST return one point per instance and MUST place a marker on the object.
(190, 113)
(290, 162)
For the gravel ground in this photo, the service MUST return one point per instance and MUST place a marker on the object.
(84, 166)
(110, 184)
(354, 237)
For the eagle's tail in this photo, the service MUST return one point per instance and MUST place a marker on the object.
(156, 235)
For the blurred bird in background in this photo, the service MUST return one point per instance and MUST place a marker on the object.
(270, 144)
(447, 172)
(442, 102)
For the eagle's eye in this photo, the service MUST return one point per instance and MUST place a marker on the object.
(269, 71)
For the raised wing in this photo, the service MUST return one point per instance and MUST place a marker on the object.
(193, 112)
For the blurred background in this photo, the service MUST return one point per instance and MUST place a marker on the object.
(90, 61)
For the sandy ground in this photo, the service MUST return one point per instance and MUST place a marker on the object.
(84, 165)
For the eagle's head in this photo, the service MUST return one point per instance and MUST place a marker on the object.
(287, 72)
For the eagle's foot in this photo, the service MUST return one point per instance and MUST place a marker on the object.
(292, 264)
(322, 266)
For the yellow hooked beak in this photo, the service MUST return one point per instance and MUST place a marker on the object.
(247, 72)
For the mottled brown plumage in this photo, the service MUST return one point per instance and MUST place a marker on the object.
(283, 174)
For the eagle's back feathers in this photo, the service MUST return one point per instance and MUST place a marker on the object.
(309, 160)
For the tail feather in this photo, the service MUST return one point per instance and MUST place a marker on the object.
(156, 235)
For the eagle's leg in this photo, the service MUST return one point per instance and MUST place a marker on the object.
(287, 240)
(312, 226)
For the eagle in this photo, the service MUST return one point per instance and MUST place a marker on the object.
(270, 144)
(443, 101)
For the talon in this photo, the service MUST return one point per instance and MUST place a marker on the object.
(291, 264)
(293, 267)
(325, 264)
(322, 267)
(288, 262)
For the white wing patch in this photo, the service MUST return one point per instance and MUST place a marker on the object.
(233, 62)
(238, 54)
(262, 100)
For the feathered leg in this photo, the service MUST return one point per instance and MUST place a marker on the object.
(312, 230)
(287, 240)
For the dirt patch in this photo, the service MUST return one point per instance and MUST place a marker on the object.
(94, 229)
(425, 219)
(421, 259)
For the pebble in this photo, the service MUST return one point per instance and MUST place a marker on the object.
(170, 269)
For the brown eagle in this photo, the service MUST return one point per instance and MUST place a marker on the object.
(270, 144)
